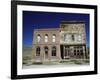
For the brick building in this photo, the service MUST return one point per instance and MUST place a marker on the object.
(46, 44)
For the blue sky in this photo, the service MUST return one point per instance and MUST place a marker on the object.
(35, 20)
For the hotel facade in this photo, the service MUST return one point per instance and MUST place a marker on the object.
(63, 43)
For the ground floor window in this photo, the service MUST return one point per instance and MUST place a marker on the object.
(78, 51)
(38, 51)
(54, 51)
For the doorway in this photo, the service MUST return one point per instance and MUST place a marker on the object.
(46, 52)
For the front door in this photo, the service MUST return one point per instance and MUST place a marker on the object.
(65, 52)
(62, 51)
(46, 52)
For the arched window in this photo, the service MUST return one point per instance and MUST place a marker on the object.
(38, 38)
(46, 51)
(54, 51)
(53, 38)
(46, 37)
(38, 51)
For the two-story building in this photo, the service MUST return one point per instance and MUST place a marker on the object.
(73, 39)
(46, 44)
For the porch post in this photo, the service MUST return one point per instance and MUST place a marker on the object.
(49, 53)
(64, 52)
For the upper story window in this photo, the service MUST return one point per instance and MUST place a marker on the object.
(46, 37)
(73, 38)
(67, 37)
(53, 38)
(79, 38)
(38, 38)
